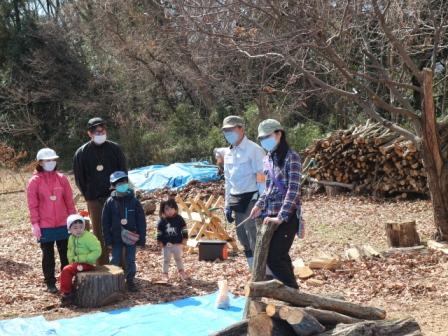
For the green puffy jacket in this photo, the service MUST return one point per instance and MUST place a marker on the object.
(83, 249)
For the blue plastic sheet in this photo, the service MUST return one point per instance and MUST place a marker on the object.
(192, 316)
(174, 176)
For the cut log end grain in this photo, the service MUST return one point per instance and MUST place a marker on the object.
(303, 323)
(303, 272)
(263, 325)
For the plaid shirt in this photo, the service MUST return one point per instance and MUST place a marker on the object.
(273, 202)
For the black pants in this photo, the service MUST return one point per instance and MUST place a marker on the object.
(278, 257)
(48, 263)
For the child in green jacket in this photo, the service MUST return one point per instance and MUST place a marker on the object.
(83, 251)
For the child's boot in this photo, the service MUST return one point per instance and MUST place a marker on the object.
(131, 286)
(67, 299)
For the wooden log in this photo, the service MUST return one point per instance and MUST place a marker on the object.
(276, 290)
(402, 234)
(325, 317)
(335, 184)
(330, 318)
(264, 236)
(99, 287)
(404, 327)
(236, 329)
(324, 263)
(439, 246)
(303, 323)
(263, 325)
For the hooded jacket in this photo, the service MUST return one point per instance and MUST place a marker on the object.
(83, 249)
(50, 199)
(118, 207)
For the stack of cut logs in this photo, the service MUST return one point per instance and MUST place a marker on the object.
(367, 159)
(280, 310)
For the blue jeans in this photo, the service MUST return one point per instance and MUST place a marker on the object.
(130, 267)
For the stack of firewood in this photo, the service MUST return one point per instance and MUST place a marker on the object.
(280, 310)
(367, 159)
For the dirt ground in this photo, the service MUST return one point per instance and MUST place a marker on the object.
(413, 284)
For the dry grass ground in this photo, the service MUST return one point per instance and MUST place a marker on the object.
(414, 284)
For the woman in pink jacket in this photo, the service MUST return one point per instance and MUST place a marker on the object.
(50, 201)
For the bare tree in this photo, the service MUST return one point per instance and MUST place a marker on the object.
(379, 55)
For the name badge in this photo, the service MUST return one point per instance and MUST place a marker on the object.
(53, 198)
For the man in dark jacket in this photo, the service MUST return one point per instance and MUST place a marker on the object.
(123, 217)
(93, 163)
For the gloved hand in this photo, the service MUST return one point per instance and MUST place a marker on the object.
(229, 216)
(36, 231)
(79, 268)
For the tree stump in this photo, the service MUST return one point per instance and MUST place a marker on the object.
(402, 234)
(99, 287)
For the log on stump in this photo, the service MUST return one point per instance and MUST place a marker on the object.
(303, 323)
(404, 327)
(274, 289)
(236, 329)
(402, 234)
(99, 287)
(263, 325)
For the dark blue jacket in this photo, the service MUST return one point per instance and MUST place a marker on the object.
(117, 208)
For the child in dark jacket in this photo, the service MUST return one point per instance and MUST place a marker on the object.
(124, 225)
(172, 235)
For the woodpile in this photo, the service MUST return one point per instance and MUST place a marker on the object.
(191, 190)
(281, 310)
(366, 159)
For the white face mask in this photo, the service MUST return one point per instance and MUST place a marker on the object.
(99, 139)
(49, 165)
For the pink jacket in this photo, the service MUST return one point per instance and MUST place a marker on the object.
(50, 199)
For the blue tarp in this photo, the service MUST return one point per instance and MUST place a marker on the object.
(192, 316)
(174, 176)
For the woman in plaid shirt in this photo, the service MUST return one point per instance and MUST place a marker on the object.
(280, 202)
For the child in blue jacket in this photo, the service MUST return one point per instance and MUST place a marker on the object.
(124, 225)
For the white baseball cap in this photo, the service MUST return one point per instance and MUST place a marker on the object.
(73, 218)
(46, 154)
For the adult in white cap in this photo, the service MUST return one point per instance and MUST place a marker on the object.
(50, 201)
(93, 163)
(244, 181)
(280, 202)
